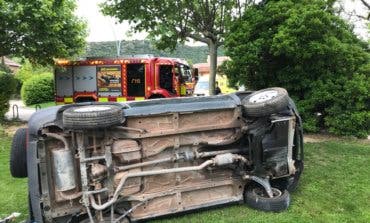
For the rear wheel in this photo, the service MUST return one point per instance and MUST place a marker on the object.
(92, 116)
(18, 155)
(84, 99)
(265, 102)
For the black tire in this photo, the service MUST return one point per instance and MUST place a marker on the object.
(266, 102)
(256, 197)
(18, 154)
(92, 116)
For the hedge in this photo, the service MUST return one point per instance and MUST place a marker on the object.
(38, 89)
(7, 86)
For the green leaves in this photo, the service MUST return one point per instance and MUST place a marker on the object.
(7, 86)
(304, 47)
(40, 30)
(171, 21)
(38, 89)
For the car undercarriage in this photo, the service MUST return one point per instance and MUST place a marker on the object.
(113, 162)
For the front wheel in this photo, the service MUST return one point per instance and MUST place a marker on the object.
(18, 154)
(290, 183)
(257, 198)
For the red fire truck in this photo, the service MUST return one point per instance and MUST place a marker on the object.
(122, 79)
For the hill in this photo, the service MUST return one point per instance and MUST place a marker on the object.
(193, 54)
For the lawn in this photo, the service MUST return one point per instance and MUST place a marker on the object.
(13, 192)
(335, 187)
(43, 105)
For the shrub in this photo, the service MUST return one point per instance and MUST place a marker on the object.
(27, 71)
(346, 101)
(7, 86)
(38, 89)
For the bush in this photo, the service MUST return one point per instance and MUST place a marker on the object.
(27, 71)
(38, 89)
(7, 86)
(346, 101)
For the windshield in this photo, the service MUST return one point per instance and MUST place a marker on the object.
(185, 73)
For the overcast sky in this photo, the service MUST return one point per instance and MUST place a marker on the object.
(103, 28)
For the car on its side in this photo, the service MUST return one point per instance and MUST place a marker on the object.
(120, 162)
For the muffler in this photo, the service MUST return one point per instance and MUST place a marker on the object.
(64, 170)
(64, 167)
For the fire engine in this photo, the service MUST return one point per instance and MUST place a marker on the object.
(122, 79)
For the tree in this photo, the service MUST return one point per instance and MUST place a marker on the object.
(193, 54)
(304, 46)
(355, 14)
(7, 86)
(172, 21)
(367, 6)
(29, 70)
(40, 30)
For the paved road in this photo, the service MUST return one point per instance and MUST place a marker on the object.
(24, 112)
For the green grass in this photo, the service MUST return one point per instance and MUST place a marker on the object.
(13, 192)
(43, 105)
(335, 187)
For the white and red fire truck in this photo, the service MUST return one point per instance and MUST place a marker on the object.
(122, 79)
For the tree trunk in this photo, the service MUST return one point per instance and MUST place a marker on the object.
(3, 60)
(213, 66)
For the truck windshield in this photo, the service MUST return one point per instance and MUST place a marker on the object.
(185, 73)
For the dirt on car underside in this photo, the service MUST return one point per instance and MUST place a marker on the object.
(163, 157)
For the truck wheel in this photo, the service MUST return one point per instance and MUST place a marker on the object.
(92, 116)
(156, 96)
(18, 154)
(265, 102)
(257, 198)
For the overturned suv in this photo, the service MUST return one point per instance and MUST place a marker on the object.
(113, 162)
